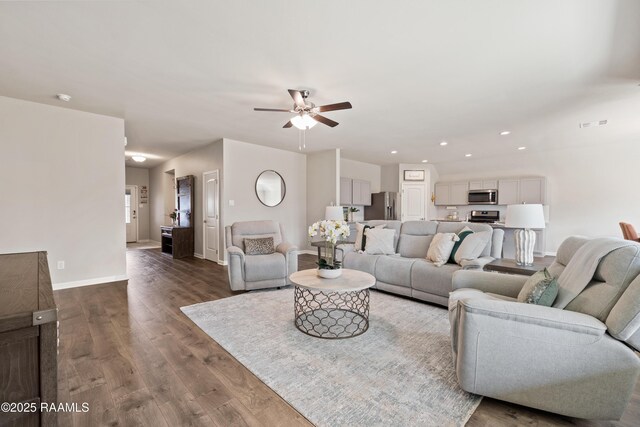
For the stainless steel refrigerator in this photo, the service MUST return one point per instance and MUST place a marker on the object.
(385, 205)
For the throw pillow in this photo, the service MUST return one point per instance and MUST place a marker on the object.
(379, 241)
(472, 246)
(259, 246)
(441, 247)
(461, 234)
(540, 289)
(360, 237)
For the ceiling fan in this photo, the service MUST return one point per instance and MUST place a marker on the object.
(307, 112)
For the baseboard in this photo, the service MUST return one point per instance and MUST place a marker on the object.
(307, 251)
(90, 282)
(222, 262)
(198, 255)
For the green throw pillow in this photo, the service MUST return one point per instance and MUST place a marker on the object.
(540, 289)
(461, 235)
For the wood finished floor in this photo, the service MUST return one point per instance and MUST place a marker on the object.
(137, 360)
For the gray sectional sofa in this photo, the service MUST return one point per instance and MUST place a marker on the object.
(408, 272)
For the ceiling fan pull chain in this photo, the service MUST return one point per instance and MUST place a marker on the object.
(304, 139)
(299, 140)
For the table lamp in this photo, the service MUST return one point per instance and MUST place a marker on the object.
(333, 213)
(525, 217)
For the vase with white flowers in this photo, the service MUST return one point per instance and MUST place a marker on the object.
(331, 232)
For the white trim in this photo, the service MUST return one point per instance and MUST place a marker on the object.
(90, 282)
(307, 251)
(222, 263)
(204, 212)
(197, 255)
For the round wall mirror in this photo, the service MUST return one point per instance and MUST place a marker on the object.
(270, 188)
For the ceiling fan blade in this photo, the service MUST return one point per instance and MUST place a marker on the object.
(297, 98)
(273, 109)
(288, 125)
(333, 107)
(325, 121)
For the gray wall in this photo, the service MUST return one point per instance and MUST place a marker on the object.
(323, 184)
(194, 163)
(63, 189)
(140, 177)
(243, 162)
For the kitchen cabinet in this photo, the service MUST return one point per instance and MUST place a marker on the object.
(509, 191)
(361, 193)
(459, 193)
(355, 192)
(442, 194)
(346, 191)
(490, 184)
(533, 190)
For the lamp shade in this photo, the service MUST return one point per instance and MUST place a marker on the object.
(303, 121)
(524, 216)
(333, 213)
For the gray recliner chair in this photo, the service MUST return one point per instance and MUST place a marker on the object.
(579, 361)
(248, 272)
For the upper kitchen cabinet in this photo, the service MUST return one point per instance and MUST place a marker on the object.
(442, 194)
(451, 193)
(459, 193)
(508, 191)
(346, 191)
(522, 190)
(533, 190)
(355, 192)
(487, 184)
(361, 193)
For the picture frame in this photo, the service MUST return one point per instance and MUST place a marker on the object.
(414, 175)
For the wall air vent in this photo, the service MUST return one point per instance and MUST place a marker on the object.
(593, 124)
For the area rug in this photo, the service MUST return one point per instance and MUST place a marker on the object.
(398, 373)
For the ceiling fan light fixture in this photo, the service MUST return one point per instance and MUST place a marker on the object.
(138, 159)
(303, 121)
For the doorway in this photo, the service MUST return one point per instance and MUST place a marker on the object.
(131, 212)
(413, 202)
(211, 215)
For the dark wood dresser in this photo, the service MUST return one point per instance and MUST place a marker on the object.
(28, 338)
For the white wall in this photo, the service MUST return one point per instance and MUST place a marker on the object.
(62, 189)
(323, 183)
(243, 163)
(589, 189)
(140, 177)
(162, 197)
(389, 178)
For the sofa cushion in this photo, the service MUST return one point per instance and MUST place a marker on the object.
(395, 270)
(265, 267)
(426, 277)
(260, 246)
(379, 241)
(441, 247)
(391, 225)
(255, 229)
(623, 322)
(540, 289)
(456, 227)
(361, 262)
(419, 228)
(410, 246)
(360, 236)
(472, 246)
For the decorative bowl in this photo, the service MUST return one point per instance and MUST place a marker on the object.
(329, 274)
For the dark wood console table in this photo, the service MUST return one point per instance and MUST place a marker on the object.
(177, 241)
(505, 265)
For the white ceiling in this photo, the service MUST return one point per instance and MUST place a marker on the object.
(183, 74)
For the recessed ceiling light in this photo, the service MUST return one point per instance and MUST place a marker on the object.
(522, 148)
(63, 97)
(425, 161)
(138, 159)
(443, 143)
(593, 124)
(505, 132)
(467, 155)
(394, 152)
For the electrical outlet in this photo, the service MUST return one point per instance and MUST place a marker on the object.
(60, 265)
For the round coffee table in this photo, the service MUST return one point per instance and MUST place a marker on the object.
(332, 308)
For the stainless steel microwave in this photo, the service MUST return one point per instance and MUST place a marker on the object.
(483, 197)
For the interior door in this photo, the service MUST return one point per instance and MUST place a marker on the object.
(413, 206)
(131, 212)
(211, 215)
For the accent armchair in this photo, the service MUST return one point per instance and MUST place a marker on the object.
(579, 361)
(248, 272)
(629, 232)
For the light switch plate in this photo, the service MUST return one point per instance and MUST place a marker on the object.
(60, 265)
(232, 202)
